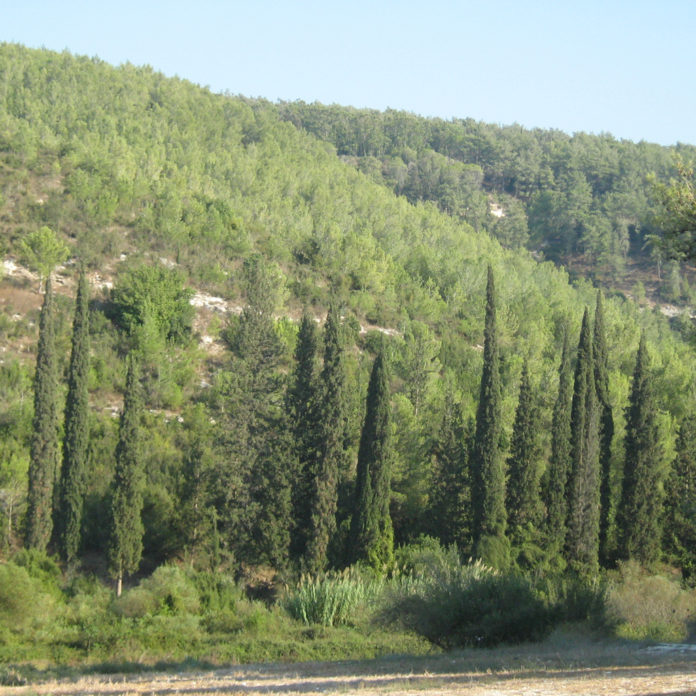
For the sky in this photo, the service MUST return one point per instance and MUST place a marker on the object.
(624, 67)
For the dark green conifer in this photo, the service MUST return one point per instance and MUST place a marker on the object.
(302, 411)
(523, 500)
(488, 470)
(126, 533)
(680, 502)
(641, 498)
(371, 534)
(43, 462)
(559, 464)
(73, 471)
(450, 497)
(606, 433)
(330, 444)
(583, 486)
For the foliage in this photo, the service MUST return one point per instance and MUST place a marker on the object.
(471, 606)
(44, 441)
(153, 294)
(641, 606)
(331, 599)
(42, 251)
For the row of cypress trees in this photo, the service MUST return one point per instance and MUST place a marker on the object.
(298, 497)
(577, 509)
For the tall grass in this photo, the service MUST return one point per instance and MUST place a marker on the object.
(332, 599)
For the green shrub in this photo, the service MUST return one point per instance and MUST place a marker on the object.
(640, 606)
(331, 599)
(167, 591)
(24, 602)
(470, 605)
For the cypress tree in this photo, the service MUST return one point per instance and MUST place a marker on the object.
(257, 513)
(606, 432)
(450, 498)
(523, 501)
(371, 532)
(43, 462)
(583, 488)
(302, 410)
(126, 534)
(488, 471)
(72, 479)
(559, 464)
(640, 506)
(680, 502)
(330, 445)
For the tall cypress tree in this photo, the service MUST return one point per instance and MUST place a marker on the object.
(640, 507)
(126, 534)
(303, 411)
(523, 500)
(680, 501)
(488, 470)
(606, 432)
(72, 479)
(330, 445)
(450, 497)
(583, 490)
(559, 464)
(371, 532)
(43, 463)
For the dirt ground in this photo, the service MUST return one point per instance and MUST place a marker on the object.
(607, 670)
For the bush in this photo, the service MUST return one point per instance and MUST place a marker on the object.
(471, 605)
(23, 599)
(331, 599)
(649, 607)
(167, 591)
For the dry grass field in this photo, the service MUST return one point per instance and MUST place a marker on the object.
(555, 667)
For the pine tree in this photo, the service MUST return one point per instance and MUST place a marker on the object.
(641, 500)
(73, 472)
(43, 462)
(371, 534)
(126, 534)
(583, 489)
(330, 445)
(559, 464)
(488, 471)
(450, 497)
(523, 501)
(606, 433)
(680, 502)
(303, 414)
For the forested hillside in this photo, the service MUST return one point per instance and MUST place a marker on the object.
(584, 201)
(357, 368)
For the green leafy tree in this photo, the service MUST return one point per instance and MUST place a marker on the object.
(42, 251)
(76, 438)
(156, 294)
(43, 463)
(641, 494)
(559, 464)
(488, 469)
(126, 528)
(330, 444)
(371, 534)
(523, 502)
(606, 432)
(583, 486)
(680, 502)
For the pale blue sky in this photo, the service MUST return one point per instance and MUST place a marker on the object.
(618, 66)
